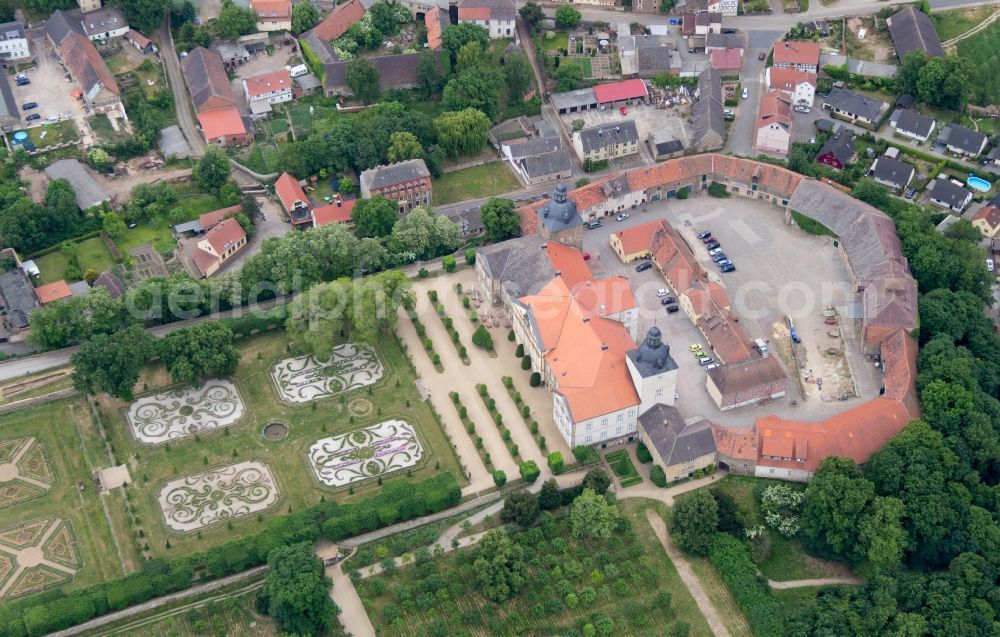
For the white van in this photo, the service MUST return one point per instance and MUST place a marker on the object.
(298, 70)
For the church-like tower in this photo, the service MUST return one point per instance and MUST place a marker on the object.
(654, 372)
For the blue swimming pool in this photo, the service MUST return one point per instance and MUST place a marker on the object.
(979, 184)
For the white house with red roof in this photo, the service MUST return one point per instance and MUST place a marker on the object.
(273, 15)
(218, 246)
(801, 84)
(496, 16)
(337, 212)
(274, 87)
(801, 56)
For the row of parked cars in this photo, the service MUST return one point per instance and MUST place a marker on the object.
(715, 251)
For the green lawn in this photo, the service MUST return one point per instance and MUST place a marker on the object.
(105, 132)
(60, 428)
(486, 180)
(628, 591)
(159, 236)
(52, 133)
(91, 254)
(262, 158)
(557, 43)
(394, 396)
(950, 24)
(582, 62)
(980, 50)
(621, 464)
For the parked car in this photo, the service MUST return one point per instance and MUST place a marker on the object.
(708, 238)
(594, 224)
(713, 245)
(728, 115)
(667, 300)
(642, 267)
(762, 55)
(29, 105)
(990, 265)
(720, 257)
(801, 109)
(586, 256)
(33, 117)
(729, 268)
(746, 93)
(622, 217)
(724, 262)
(708, 360)
(910, 192)
(704, 233)
(672, 308)
(701, 354)
(23, 82)
(694, 347)
(662, 292)
(714, 251)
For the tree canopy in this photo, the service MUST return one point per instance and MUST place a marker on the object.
(462, 132)
(363, 79)
(567, 17)
(192, 354)
(304, 16)
(500, 566)
(499, 219)
(234, 20)
(112, 363)
(695, 520)
(296, 593)
(212, 170)
(374, 217)
(592, 515)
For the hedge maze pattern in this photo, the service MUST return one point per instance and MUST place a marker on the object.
(304, 378)
(229, 492)
(37, 555)
(24, 471)
(365, 453)
(185, 412)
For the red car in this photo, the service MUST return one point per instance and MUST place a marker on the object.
(623, 110)
(708, 239)
(586, 256)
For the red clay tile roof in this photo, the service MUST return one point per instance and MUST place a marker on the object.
(432, 20)
(53, 292)
(775, 107)
(569, 263)
(333, 213)
(86, 64)
(473, 13)
(210, 219)
(787, 79)
(801, 53)
(221, 122)
(289, 191)
(204, 260)
(990, 214)
(899, 366)
(617, 91)
(268, 82)
(272, 8)
(340, 20)
(638, 238)
(225, 234)
(729, 340)
(727, 59)
(740, 444)
(138, 38)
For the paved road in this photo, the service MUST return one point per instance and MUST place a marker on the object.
(741, 133)
(182, 106)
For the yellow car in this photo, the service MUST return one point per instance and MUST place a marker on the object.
(695, 347)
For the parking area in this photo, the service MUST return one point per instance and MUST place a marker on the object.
(781, 272)
(51, 90)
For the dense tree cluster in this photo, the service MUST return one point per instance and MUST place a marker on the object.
(297, 593)
(143, 15)
(27, 226)
(944, 82)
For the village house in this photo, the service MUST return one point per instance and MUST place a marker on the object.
(104, 24)
(963, 141)
(800, 84)
(723, 7)
(949, 194)
(774, 123)
(987, 219)
(496, 16)
(801, 56)
(218, 246)
(838, 150)
(293, 199)
(408, 183)
(273, 15)
(17, 302)
(855, 108)
(338, 21)
(537, 161)
(706, 22)
(893, 173)
(141, 42)
(337, 212)
(609, 141)
(87, 6)
(263, 91)
(97, 85)
(911, 124)
(13, 42)
(214, 100)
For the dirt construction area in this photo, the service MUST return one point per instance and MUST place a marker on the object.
(781, 272)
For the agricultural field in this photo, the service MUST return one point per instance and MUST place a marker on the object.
(953, 23)
(53, 527)
(980, 50)
(278, 436)
(485, 180)
(628, 580)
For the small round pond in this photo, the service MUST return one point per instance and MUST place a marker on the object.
(275, 431)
